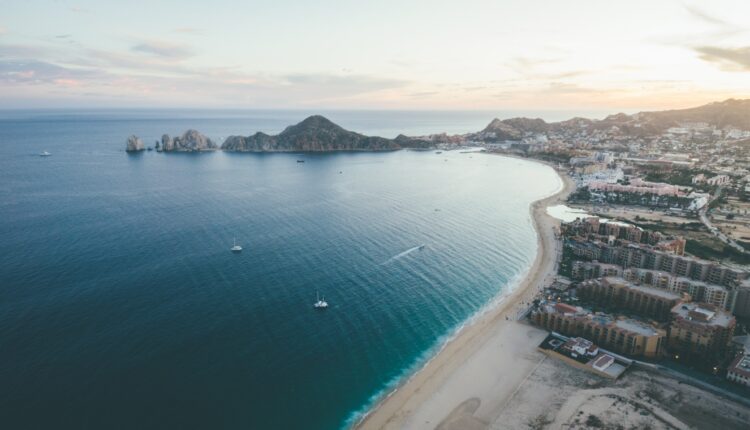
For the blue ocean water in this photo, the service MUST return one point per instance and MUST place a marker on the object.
(121, 306)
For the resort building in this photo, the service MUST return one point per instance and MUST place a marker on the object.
(699, 291)
(639, 186)
(700, 331)
(618, 293)
(647, 257)
(621, 335)
(583, 270)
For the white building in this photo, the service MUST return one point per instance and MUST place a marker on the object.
(718, 180)
(739, 370)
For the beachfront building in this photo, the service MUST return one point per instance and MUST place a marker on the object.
(584, 270)
(639, 186)
(618, 293)
(700, 331)
(699, 291)
(621, 335)
(605, 230)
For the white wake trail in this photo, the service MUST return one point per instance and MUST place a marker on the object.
(407, 252)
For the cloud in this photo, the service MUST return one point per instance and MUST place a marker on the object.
(703, 16)
(565, 88)
(423, 94)
(358, 83)
(188, 30)
(164, 49)
(40, 72)
(736, 59)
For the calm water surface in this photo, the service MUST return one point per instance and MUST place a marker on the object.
(122, 307)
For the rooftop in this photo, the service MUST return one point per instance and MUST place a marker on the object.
(741, 366)
(636, 327)
(646, 290)
(702, 313)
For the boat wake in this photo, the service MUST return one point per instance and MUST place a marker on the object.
(403, 254)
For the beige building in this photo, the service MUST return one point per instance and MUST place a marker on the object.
(621, 335)
(699, 291)
(700, 330)
(618, 293)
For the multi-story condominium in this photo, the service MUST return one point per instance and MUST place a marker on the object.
(645, 257)
(583, 270)
(618, 293)
(621, 335)
(699, 291)
(700, 331)
(605, 230)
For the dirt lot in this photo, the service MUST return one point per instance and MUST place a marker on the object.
(556, 396)
(733, 219)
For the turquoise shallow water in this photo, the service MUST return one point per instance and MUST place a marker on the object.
(122, 307)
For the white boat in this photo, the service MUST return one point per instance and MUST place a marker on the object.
(45, 154)
(235, 247)
(320, 303)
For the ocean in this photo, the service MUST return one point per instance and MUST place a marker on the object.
(122, 307)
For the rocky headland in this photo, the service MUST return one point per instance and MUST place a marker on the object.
(134, 144)
(190, 141)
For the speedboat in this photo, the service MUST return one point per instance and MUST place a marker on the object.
(236, 248)
(44, 154)
(320, 303)
(300, 161)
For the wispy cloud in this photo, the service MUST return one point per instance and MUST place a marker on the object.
(705, 17)
(40, 72)
(164, 49)
(737, 59)
(188, 30)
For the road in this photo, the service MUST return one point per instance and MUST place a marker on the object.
(703, 214)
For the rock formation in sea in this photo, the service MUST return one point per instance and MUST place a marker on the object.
(134, 144)
(190, 141)
(318, 134)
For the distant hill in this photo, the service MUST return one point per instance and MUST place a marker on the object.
(318, 134)
(729, 113)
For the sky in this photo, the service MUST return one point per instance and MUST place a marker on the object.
(470, 54)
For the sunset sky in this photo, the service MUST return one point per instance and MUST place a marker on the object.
(472, 54)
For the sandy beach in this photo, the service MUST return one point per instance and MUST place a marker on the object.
(467, 383)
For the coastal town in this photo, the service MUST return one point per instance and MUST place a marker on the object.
(653, 272)
(640, 299)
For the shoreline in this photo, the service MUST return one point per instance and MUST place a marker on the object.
(397, 407)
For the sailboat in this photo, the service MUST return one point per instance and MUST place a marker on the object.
(235, 248)
(320, 303)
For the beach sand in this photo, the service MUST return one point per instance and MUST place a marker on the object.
(467, 384)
